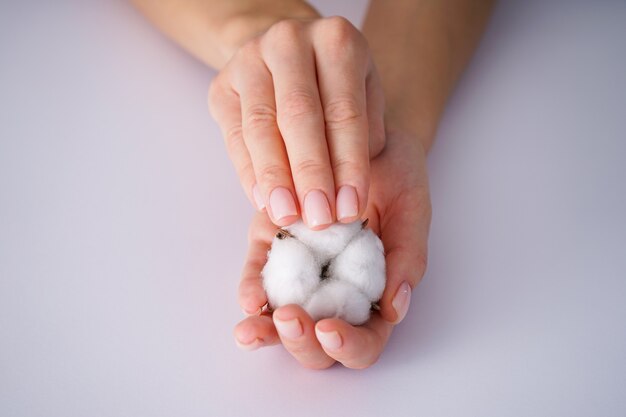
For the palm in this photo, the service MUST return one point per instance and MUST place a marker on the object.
(398, 210)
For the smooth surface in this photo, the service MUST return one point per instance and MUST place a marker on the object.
(123, 229)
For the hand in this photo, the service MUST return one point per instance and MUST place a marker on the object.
(301, 110)
(399, 211)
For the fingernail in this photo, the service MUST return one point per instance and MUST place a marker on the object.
(291, 329)
(260, 205)
(401, 301)
(252, 313)
(282, 203)
(329, 340)
(347, 202)
(254, 345)
(317, 209)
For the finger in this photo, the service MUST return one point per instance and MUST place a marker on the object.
(226, 110)
(296, 331)
(290, 59)
(252, 295)
(375, 111)
(355, 347)
(405, 238)
(253, 83)
(254, 332)
(342, 62)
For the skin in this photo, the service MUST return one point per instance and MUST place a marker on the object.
(312, 105)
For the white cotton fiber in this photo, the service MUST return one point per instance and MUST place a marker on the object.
(335, 272)
(291, 273)
(327, 243)
(362, 263)
(340, 299)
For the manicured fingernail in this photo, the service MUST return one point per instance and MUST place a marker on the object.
(252, 313)
(260, 205)
(317, 209)
(329, 340)
(347, 202)
(401, 301)
(282, 203)
(254, 345)
(291, 329)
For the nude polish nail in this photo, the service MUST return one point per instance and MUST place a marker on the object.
(291, 329)
(254, 345)
(329, 340)
(317, 209)
(401, 301)
(282, 203)
(347, 202)
(260, 205)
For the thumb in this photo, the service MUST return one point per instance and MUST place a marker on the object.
(404, 233)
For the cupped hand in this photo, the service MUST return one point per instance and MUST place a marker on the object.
(399, 211)
(301, 109)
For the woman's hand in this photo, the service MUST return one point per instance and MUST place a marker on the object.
(399, 211)
(301, 110)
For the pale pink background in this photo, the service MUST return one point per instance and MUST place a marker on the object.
(123, 229)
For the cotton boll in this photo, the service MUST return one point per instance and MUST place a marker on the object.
(291, 273)
(339, 299)
(327, 243)
(336, 272)
(362, 263)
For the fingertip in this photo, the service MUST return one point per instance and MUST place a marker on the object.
(282, 207)
(356, 347)
(252, 296)
(254, 345)
(347, 204)
(254, 332)
(396, 305)
(317, 210)
(289, 312)
(244, 333)
(258, 198)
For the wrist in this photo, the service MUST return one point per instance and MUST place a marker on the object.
(253, 20)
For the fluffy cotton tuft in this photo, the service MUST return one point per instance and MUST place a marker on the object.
(327, 243)
(362, 263)
(291, 273)
(335, 272)
(336, 298)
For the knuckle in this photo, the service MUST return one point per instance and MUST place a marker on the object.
(351, 168)
(341, 38)
(342, 111)
(260, 115)
(340, 27)
(284, 30)
(309, 168)
(272, 174)
(233, 136)
(246, 53)
(248, 49)
(297, 103)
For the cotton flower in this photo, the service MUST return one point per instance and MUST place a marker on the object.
(335, 272)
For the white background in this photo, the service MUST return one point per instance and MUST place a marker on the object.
(123, 230)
